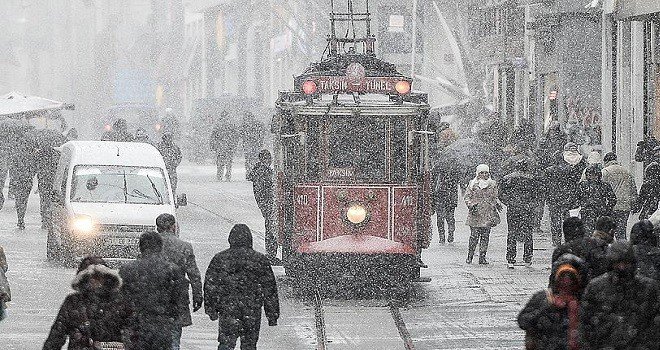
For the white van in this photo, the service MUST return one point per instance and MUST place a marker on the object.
(106, 194)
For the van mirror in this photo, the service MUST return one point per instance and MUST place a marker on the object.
(181, 200)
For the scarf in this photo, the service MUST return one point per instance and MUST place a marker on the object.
(572, 306)
(482, 183)
(572, 157)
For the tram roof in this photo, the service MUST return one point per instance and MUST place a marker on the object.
(369, 104)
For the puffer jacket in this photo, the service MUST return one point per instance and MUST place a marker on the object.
(623, 184)
(482, 205)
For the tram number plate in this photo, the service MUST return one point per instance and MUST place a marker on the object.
(122, 241)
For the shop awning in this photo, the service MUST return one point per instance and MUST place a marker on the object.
(16, 104)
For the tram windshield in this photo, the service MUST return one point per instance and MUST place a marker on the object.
(356, 148)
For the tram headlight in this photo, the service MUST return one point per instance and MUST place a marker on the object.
(309, 87)
(356, 214)
(402, 87)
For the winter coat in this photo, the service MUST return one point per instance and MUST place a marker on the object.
(623, 184)
(261, 176)
(590, 249)
(239, 282)
(224, 139)
(446, 178)
(509, 166)
(482, 205)
(252, 133)
(24, 162)
(648, 261)
(171, 155)
(596, 197)
(649, 193)
(620, 315)
(180, 253)
(545, 321)
(520, 191)
(154, 288)
(561, 184)
(5, 291)
(91, 314)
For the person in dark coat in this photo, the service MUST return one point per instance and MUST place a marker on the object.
(649, 193)
(519, 191)
(595, 197)
(576, 240)
(646, 150)
(47, 158)
(620, 308)
(5, 291)
(262, 186)
(551, 317)
(561, 187)
(181, 254)
(223, 143)
(96, 313)
(25, 168)
(645, 246)
(239, 282)
(154, 288)
(252, 134)
(171, 155)
(446, 180)
(600, 239)
(119, 132)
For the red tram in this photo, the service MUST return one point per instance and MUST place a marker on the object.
(352, 165)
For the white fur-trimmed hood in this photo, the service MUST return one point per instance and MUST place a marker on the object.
(100, 269)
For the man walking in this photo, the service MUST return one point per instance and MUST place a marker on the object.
(262, 186)
(445, 193)
(623, 184)
(595, 197)
(519, 191)
(180, 253)
(252, 134)
(171, 155)
(223, 143)
(154, 288)
(239, 282)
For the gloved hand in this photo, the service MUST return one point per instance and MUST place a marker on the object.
(197, 304)
(272, 322)
(213, 316)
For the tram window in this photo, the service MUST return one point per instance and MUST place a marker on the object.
(399, 150)
(313, 142)
(357, 146)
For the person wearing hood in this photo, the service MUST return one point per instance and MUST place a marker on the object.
(595, 197)
(551, 318)
(481, 198)
(154, 288)
(239, 282)
(649, 193)
(519, 191)
(620, 308)
(95, 313)
(645, 246)
(625, 189)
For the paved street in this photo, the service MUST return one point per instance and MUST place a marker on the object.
(463, 307)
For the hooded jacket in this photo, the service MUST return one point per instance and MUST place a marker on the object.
(595, 196)
(546, 319)
(239, 282)
(620, 309)
(92, 313)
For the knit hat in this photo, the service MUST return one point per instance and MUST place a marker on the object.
(571, 146)
(481, 168)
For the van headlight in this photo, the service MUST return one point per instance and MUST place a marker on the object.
(83, 225)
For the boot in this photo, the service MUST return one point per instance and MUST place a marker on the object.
(482, 259)
(469, 257)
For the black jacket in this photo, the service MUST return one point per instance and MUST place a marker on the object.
(520, 191)
(261, 176)
(90, 314)
(171, 155)
(596, 197)
(649, 193)
(239, 282)
(590, 249)
(446, 179)
(561, 184)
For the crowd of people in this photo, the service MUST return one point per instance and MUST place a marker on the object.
(145, 304)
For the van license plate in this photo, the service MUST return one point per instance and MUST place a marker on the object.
(122, 241)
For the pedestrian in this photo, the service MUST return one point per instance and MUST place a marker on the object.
(5, 291)
(577, 242)
(646, 150)
(552, 142)
(561, 187)
(594, 157)
(47, 158)
(252, 134)
(262, 187)
(223, 143)
(649, 193)
(620, 308)
(645, 246)
(239, 282)
(519, 191)
(171, 155)
(483, 211)
(600, 239)
(551, 318)
(446, 180)
(25, 169)
(181, 254)
(154, 288)
(96, 315)
(595, 197)
(141, 136)
(118, 132)
(625, 189)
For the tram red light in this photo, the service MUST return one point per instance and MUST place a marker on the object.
(356, 214)
(309, 87)
(402, 87)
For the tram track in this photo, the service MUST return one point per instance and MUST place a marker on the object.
(322, 341)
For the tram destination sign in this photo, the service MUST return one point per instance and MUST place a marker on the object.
(355, 80)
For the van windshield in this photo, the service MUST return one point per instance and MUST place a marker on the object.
(119, 184)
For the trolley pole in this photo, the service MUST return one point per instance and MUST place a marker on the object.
(414, 39)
